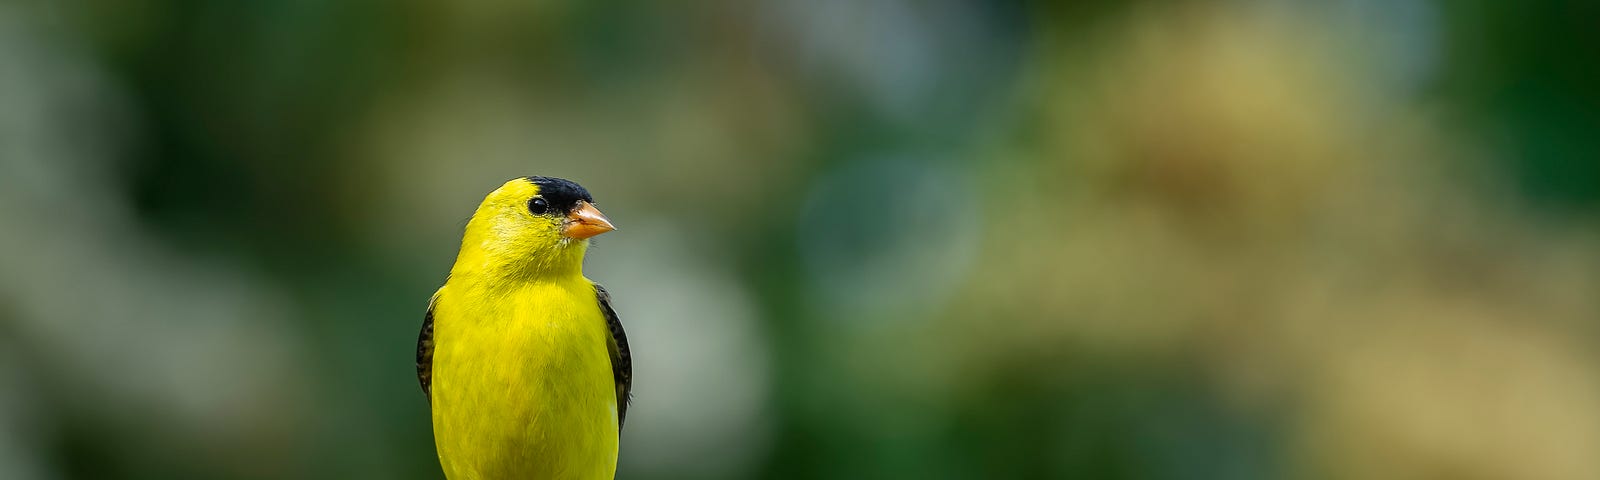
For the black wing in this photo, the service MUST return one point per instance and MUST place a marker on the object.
(425, 349)
(621, 360)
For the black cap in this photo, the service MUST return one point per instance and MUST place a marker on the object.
(562, 194)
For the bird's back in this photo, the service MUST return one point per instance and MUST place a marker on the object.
(522, 383)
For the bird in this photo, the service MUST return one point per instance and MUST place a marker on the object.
(522, 359)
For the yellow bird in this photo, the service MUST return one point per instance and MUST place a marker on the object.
(524, 362)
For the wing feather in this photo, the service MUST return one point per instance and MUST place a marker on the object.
(621, 359)
(425, 349)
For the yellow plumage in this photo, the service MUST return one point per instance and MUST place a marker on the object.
(521, 361)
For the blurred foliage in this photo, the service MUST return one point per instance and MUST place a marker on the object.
(1156, 239)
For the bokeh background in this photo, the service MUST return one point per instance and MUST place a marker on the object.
(1251, 239)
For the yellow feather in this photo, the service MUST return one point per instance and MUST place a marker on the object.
(522, 381)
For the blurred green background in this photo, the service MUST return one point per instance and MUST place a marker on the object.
(859, 239)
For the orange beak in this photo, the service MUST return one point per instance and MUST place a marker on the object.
(586, 221)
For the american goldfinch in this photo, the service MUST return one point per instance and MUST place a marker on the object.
(523, 361)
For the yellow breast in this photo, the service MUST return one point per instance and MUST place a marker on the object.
(522, 383)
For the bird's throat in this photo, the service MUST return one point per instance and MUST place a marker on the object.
(557, 261)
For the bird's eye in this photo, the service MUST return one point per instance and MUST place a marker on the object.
(538, 206)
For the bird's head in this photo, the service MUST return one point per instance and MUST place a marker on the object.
(532, 226)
